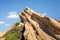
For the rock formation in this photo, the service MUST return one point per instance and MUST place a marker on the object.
(37, 26)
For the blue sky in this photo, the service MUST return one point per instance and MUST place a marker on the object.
(9, 10)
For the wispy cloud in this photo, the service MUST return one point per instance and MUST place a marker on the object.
(12, 15)
(2, 22)
(45, 14)
(7, 24)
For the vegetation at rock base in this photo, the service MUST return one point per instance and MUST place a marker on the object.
(14, 34)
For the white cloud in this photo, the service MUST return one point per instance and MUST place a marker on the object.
(45, 14)
(7, 24)
(12, 15)
(2, 22)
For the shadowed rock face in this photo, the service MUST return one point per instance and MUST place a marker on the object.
(38, 27)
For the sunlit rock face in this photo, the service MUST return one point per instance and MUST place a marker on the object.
(1, 35)
(37, 26)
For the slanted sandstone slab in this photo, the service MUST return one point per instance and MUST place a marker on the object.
(39, 27)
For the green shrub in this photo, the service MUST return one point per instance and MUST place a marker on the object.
(14, 34)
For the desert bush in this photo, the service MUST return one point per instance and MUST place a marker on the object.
(14, 34)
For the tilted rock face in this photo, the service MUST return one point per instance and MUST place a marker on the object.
(1, 35)
(37, 26)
